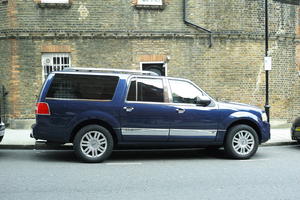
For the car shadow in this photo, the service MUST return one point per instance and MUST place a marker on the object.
(3, 154)
(295, 146)
(55, 156)
(135, 155)
(169, 154)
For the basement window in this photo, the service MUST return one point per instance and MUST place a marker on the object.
(55, 62)
(54, 1)
(149, 4)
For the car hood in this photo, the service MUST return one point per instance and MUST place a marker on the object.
(238, 106)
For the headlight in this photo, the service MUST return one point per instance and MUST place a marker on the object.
(264, 117)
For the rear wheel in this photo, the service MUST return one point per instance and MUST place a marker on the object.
(93, 143)
(1, 137)
(241, 142)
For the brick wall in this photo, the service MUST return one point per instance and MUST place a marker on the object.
(225, 70)
(121, 15)
(237, 16)
(296, 86)
(3, 16)
(98, 15)
(115, 34)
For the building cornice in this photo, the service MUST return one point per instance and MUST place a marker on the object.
(21, 34)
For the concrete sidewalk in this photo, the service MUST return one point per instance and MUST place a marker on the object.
(20, 138)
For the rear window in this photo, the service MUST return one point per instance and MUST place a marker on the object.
(71, 86)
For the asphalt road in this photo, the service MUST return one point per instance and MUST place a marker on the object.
(274, 173)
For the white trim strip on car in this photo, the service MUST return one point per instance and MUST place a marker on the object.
(165, 132)
(192, 132)
(144, 132)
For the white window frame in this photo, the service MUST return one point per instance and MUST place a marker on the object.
(165, 65)
(150, 2)
(47, 60)
(55, 1)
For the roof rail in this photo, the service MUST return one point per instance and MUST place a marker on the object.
(106, 70)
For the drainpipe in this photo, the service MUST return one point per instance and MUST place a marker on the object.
(194, 25)
(3, 93)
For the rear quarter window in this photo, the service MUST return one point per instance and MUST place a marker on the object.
(72, 86)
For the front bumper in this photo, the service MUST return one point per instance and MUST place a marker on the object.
(266, 135)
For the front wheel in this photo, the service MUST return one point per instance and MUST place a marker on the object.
(93, 143)
(241, 142)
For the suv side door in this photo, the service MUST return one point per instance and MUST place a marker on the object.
(145, 113)
(191, 122)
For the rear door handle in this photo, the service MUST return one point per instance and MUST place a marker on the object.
(180, 110)
(128, 109)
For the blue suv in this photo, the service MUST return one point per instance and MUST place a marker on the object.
(99, 110)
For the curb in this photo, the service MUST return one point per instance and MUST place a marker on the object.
(279, 143)
(35, 147)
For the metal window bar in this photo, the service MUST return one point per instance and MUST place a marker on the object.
(60, 61)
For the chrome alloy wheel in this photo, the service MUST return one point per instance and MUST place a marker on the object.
(93, 144)
(243, 142)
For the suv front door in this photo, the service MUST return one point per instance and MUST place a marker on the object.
(191, 122)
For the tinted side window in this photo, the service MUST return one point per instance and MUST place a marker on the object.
(132, 96)
(71, 86)
(184, 92)
(149, 90)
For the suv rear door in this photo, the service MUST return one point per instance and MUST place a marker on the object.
(145, 115)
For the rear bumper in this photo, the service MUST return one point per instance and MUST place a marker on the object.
(55, 134)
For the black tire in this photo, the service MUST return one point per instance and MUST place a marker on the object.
(93, 143)
(243, 148)
(1, 137)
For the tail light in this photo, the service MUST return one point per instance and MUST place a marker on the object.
(42, 109)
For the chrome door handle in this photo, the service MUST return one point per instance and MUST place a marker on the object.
(180, 110)
(128, 109)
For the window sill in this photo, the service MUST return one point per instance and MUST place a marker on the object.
(150, 7)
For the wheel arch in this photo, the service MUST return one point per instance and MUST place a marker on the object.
(97, 122)
(245, 122)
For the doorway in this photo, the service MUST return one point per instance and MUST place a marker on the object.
(159, 68)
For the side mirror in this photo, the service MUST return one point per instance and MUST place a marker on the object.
(203, 100)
